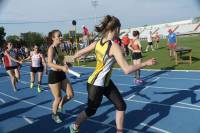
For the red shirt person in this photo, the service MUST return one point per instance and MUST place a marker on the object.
(85, 31)
(126, 41)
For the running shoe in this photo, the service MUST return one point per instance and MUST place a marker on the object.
(138, 81)
(15, 89)
(72, 130)
(56, 118)
(31, 85)
(141, 81)
(39, 89)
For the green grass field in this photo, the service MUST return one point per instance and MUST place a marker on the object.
(162, 55)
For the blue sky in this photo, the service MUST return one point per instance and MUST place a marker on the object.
(132, 13)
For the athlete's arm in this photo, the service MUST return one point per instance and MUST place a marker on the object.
(129, 45)
(28, 58)
(44, 62)
(85, 50)
(13, 59)
(116, 52)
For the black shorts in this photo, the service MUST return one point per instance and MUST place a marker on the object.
(37, 69)
(136, 56)
(157, 41)
(56, 76)
(11, 68)
(150, 43)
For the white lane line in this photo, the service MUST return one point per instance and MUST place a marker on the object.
(3, 101)
(156, 79)
(159, 87)
(47, 108)
(147, 69)
(168, 88)
(28, 120)
(192, 105)
(176, 106)
(155, 128)
(121, 75)
(129, 99)
(136, 94)
(78, 101)
(180, 78)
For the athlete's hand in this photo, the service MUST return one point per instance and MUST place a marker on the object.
(64, 69)
(150, 62)
(21, 62)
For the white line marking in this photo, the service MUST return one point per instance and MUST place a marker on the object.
(129, 99)
(27, 120)
(136, 95)
(189, 104)
(47, 108)
(156, 79)
(147, 69)
(133, 77)
(3, 101)
(182, 107)
(168, 88)
(143, 89)
(158, 129)
(78, 101)
(181, 78)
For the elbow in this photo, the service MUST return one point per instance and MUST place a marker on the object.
(126, 72)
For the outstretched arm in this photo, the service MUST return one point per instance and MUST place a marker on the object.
(116, 52)
(28, 58)
(13, 59)
(85, 50)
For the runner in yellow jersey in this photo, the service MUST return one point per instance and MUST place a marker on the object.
(99, 83)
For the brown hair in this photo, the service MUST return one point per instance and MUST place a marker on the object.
(136, 33)
(51, 35)
(5, 46)
(109, 23)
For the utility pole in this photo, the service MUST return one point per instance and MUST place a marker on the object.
(95, 4)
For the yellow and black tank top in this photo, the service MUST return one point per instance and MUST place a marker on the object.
(102, 73)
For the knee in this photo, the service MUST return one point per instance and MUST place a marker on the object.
(90, 111)
(57, 100)
(121, 106)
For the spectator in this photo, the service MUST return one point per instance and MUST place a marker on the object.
(172, 40)
(150, 42)
(126, 41)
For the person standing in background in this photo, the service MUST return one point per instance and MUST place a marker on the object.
(150, 42)
(126, 41)
(157, 40)
(172, 41)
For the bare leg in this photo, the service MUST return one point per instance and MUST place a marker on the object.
(11, 73)
(67, 88)
(32, 77)
(56, 92)
(119, 120)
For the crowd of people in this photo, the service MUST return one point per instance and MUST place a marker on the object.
(108, 49)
